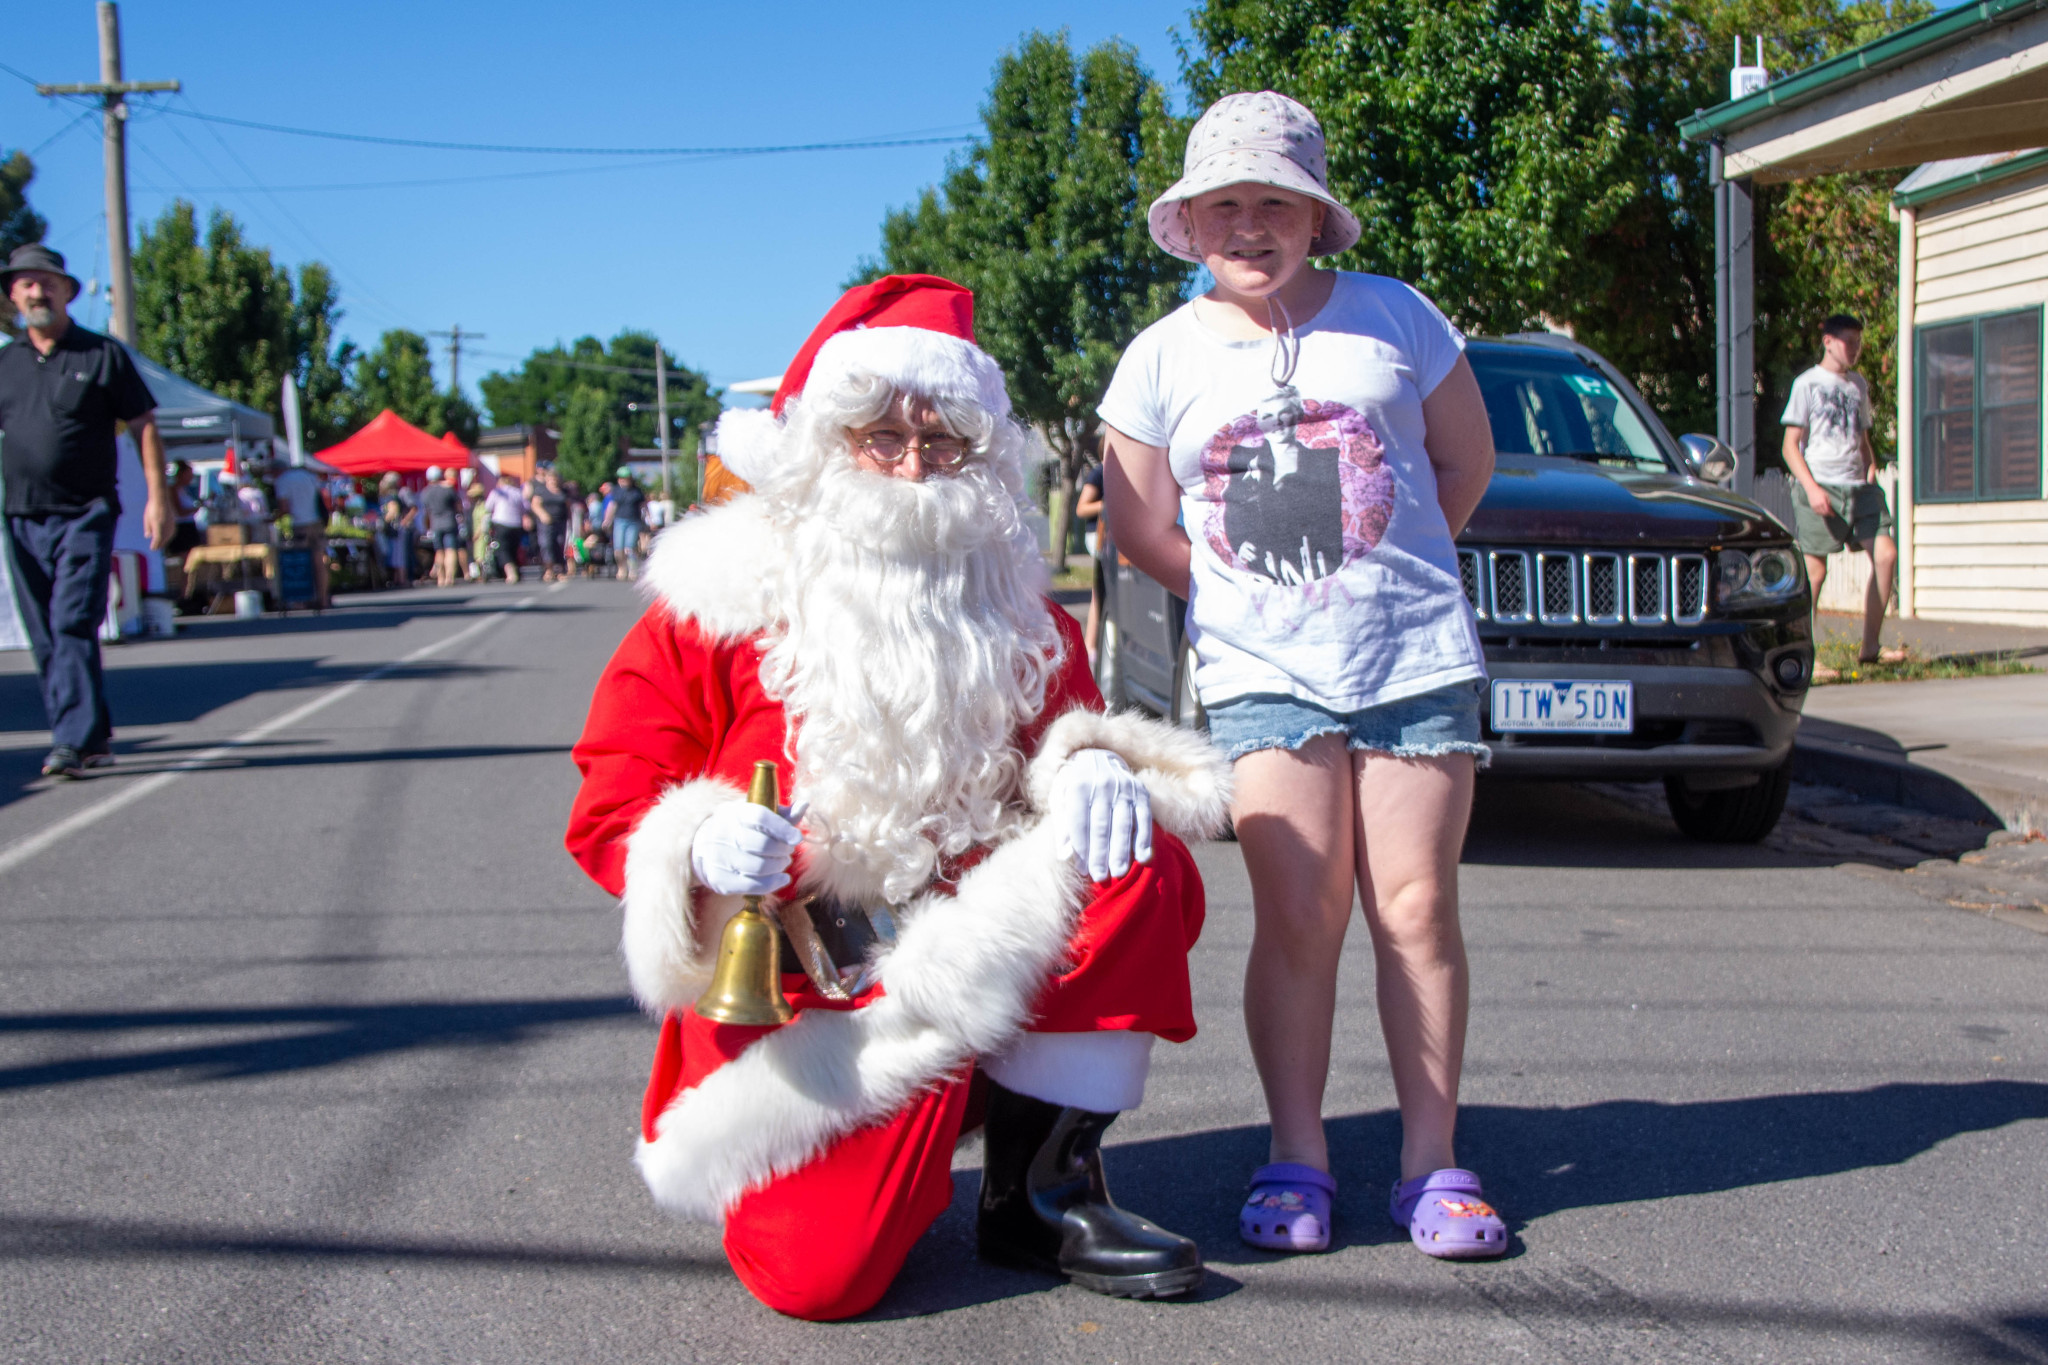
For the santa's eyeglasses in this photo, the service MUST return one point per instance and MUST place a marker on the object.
(938, 450)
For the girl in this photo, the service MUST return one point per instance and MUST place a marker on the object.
(1293, 452)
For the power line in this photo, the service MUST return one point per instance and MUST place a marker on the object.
(40, 146)
(518, 149)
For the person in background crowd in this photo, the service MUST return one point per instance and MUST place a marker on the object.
(394, 534)
(1827, 447)
(185, 504)
(1088, 511)
(252, 505)
(1293, 452)
(299, 497)
(476, 546)
(626, 519)
(62, 392)
(550, 521)
(505, 505)
(441, 506)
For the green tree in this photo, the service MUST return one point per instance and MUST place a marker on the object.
(1045, 221)
(328, 407)
(399, 374)
(592, 436)
(1519, 161)
(19, 224)
(539, 391)
(1471, 137)
(216, 310)
(1641, 289)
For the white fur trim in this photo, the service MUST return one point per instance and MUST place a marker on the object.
(1101, 1072)
(748, 440)
(1188, 778)
(709, 568)
(915, 360)
(669, 954)
(960, 982)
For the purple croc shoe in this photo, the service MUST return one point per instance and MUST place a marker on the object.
(1446, 1216)
(1288, 1208)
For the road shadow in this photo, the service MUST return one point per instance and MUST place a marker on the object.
(1526, 822)
(32, 1237)
(176, 694)
(148, 758)
(1536, 1161)
(293, 1037)
(388, 614)
(1542, 1160)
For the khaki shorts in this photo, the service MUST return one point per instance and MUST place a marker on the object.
(1860, 516)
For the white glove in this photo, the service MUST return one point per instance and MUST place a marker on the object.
(744, 849)
(1105, 814)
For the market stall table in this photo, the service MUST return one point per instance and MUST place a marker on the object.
(207, 564)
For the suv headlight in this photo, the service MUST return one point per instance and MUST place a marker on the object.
(1746, 577)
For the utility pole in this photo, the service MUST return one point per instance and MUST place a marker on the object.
(113, 93)
(455, 334)
(661, 421)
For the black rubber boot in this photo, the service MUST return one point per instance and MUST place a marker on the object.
(1046, 1206)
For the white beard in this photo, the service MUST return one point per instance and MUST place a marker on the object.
(916, 641)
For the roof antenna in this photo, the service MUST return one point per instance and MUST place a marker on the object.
(1747, 80)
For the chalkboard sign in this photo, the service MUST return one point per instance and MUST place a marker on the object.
(295, 575)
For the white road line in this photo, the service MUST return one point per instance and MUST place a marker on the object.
(21, 852)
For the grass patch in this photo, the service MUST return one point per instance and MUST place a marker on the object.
(1839, 653)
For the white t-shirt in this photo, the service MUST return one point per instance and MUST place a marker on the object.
(1835, 410)
(1323, 568)
(299, 490)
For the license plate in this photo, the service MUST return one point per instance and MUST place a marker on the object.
(1562, 706)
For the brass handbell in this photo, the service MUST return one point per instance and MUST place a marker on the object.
(746, 987)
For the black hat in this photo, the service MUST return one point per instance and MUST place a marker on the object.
(36, 256)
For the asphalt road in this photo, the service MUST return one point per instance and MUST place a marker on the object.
(318, 1049)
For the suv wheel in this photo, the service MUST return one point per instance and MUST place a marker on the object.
(1742, 815)
(1109, 663)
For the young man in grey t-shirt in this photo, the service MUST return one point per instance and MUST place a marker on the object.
(1827, 447)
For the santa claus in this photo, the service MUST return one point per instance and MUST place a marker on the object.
(994, 931)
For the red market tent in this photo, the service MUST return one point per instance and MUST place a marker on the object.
(390, 444)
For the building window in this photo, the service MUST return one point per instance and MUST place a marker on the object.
(1980, 409)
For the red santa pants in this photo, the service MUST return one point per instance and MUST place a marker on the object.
(826, 1240)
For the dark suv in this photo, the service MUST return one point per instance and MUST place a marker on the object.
(1639, 620)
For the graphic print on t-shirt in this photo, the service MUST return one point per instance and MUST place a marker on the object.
(1296, 489)
(1834, 417)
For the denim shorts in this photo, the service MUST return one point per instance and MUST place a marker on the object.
(1445, 721)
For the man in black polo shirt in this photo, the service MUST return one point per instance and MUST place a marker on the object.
(61, 393)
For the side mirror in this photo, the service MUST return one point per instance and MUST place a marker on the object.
(1711, 459)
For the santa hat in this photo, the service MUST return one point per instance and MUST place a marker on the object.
(915, 331)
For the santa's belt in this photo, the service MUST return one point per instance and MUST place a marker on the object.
(833, 941)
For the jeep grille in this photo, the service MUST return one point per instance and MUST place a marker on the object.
(1584, 587)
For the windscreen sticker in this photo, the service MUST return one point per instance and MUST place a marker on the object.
(1592, 385)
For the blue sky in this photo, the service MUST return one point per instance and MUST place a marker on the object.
(729, 260)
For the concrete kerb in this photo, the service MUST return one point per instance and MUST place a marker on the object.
(1839, 760)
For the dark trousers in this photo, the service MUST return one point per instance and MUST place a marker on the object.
(61, 560)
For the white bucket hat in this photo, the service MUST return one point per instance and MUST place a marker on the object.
(1256, 139)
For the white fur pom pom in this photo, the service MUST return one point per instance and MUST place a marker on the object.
(749, 440)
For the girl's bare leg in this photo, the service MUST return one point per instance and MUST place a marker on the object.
(1412, 815)
(1294, 823)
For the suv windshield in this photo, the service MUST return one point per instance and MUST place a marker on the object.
(1545, 402)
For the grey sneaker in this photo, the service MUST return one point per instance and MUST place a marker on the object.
(64, 761)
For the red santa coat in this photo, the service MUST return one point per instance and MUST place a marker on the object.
(1022, 939)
